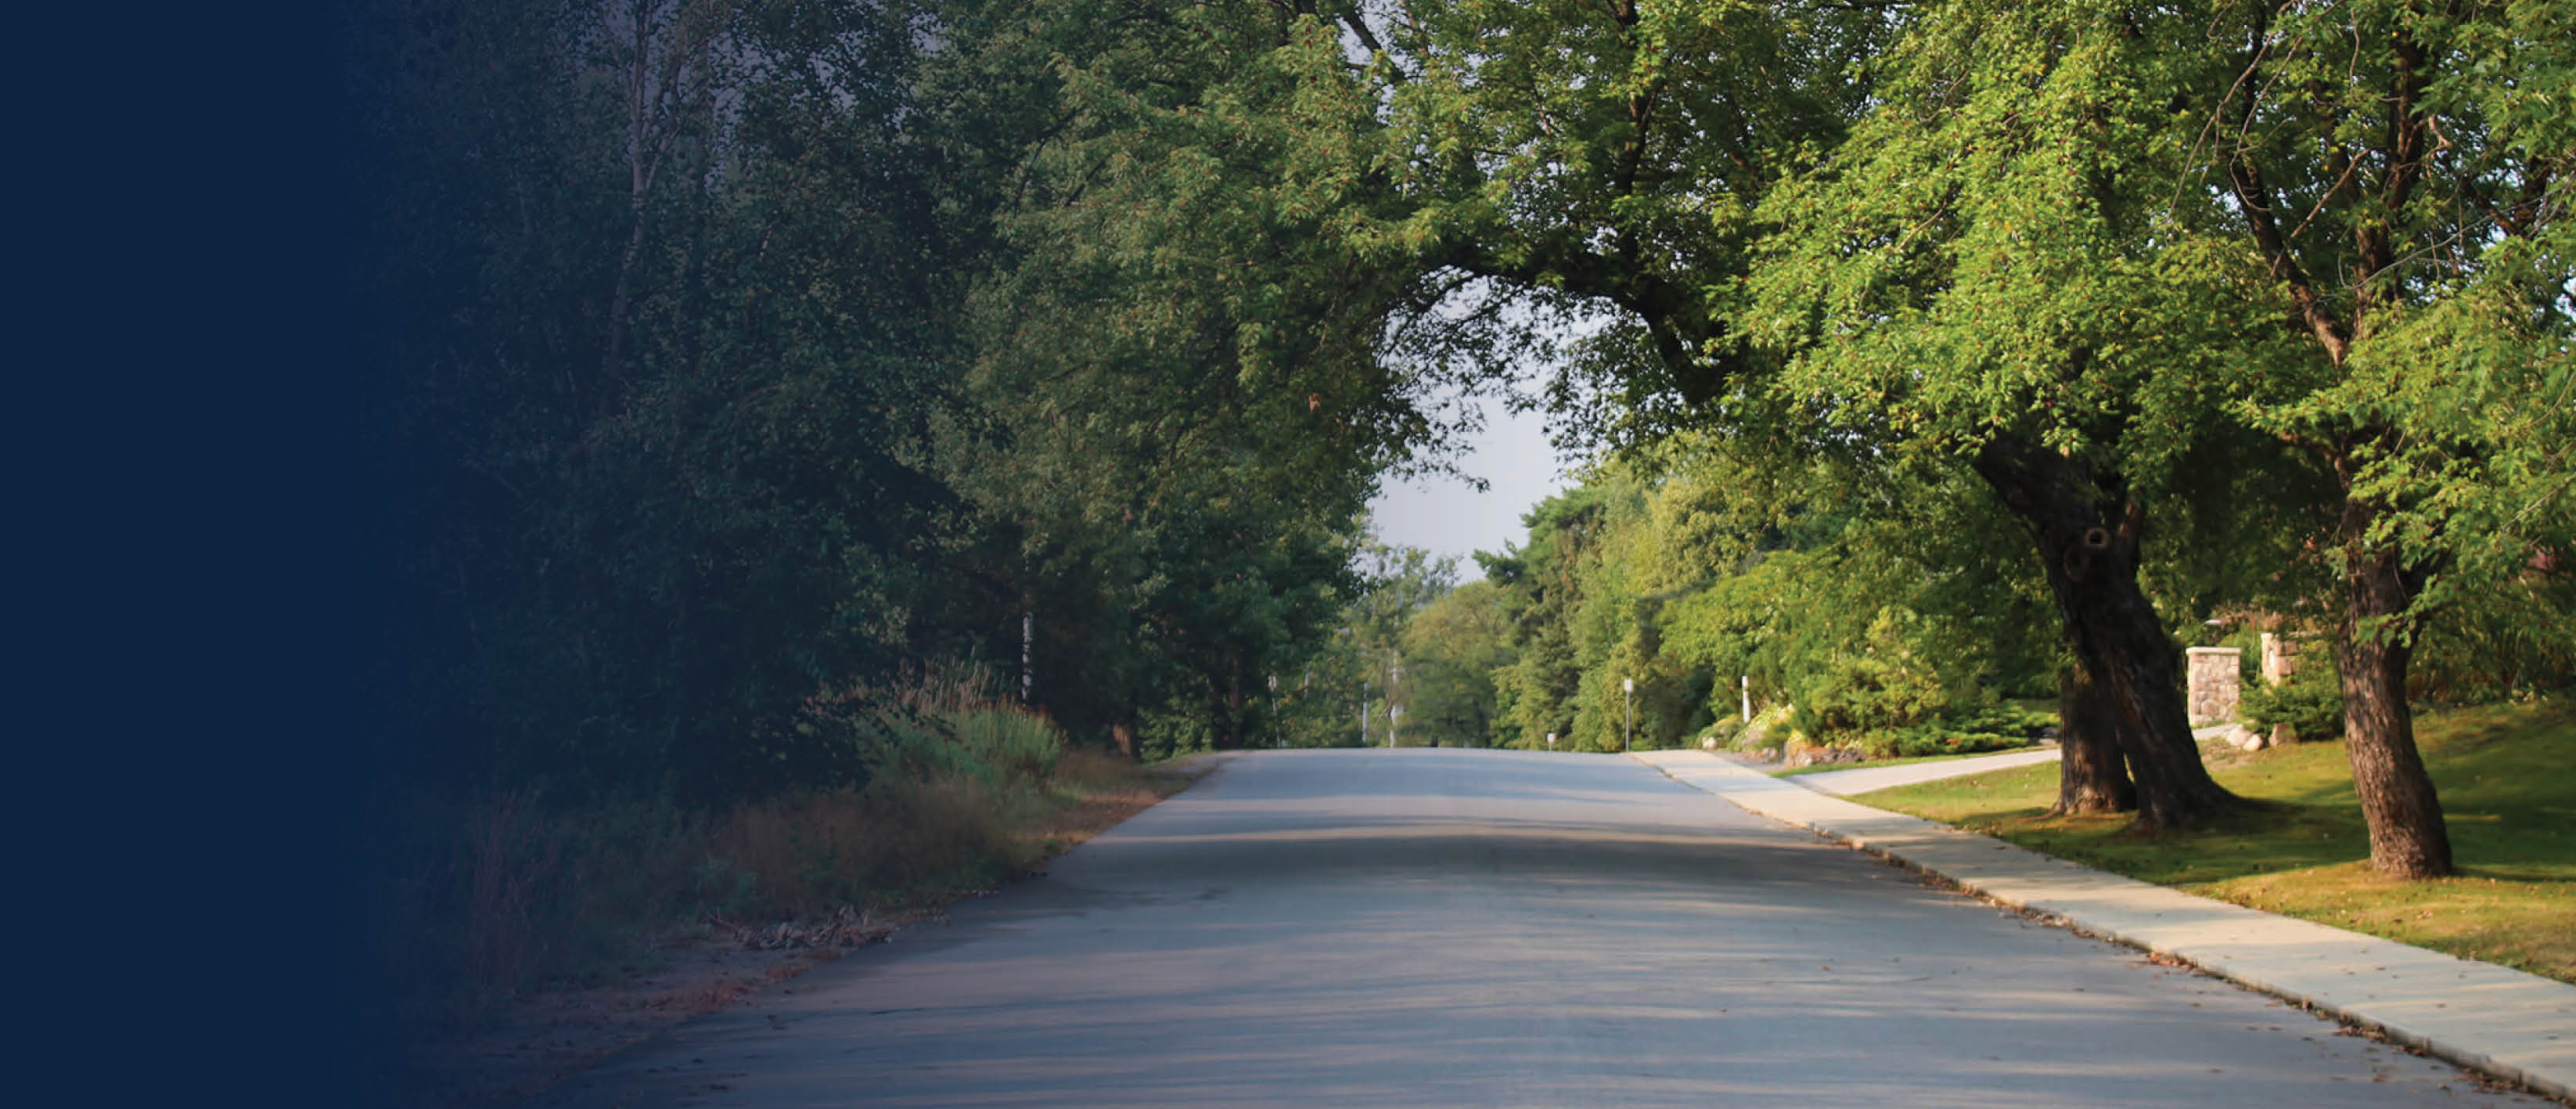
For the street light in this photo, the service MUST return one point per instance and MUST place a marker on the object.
(1363, 694)
(1394, 674)
(1629, 685)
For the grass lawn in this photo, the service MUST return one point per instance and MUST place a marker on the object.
(2507, 778)
(1794, 771)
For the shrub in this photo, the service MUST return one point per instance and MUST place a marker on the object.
(1981, 726)
(1914, 743)
(1861, 693)
(1881, 686)
(1764, 732)
(1174, 730)
(2310, 702)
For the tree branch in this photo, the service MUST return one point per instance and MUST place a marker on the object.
(2254, 198)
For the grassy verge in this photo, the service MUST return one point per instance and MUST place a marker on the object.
(1094, 791)
(2507, 777)
(1795, 771)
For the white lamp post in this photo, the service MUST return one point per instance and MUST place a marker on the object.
(1394, 674)
(1630, 685)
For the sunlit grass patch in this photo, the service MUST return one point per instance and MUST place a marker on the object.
(2507, 778)
(2512, 920)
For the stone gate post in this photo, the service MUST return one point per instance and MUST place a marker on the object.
(2213, 690)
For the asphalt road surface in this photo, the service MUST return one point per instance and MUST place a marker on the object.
(1470, 928)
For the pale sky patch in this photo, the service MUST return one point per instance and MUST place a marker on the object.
(1448, 517)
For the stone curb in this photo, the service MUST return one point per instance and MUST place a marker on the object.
(2514, 1026)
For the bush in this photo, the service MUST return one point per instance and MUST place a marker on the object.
(1882, 686)
(1862, 693)
(1764, 732)
(2310, 702)
(1983, 726)
(1173, 730)
(1912, 744)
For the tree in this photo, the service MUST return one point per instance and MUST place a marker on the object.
(1591, 154)
(1544, 583)
(1862, 588)
(659, 334)
(1451, 650)
(1180, 354)
(1628, 155)
(2401, 173)
(1972, 273)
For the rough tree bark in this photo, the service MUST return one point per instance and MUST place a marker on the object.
(2092, 776)
(2088, 532)
(2408, 838)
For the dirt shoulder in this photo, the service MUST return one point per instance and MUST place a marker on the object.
(703, 966)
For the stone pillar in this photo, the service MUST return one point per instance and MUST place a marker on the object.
(2280, 658)
(2213, 690)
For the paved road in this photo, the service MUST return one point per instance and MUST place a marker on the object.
(1462, 928)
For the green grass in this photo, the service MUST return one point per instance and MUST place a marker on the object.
(1910, 760)
(2507, 779)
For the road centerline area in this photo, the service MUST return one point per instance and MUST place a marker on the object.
(1474, 928)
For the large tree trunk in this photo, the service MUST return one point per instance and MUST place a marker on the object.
(2407, 836)
(2088, 534)
(2092, 777)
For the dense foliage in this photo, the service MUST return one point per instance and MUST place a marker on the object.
(712, 370)
(734, 355)
(1865, 600)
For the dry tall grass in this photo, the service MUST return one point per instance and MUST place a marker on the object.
(514, 862)
(896, 840)
(509, 893)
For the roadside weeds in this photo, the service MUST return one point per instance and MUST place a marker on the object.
(705, 965)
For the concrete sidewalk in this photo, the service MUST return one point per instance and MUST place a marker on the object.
(1844, 783)
(2516, 1026)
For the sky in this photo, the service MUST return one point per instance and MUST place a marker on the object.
(1446, 516)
